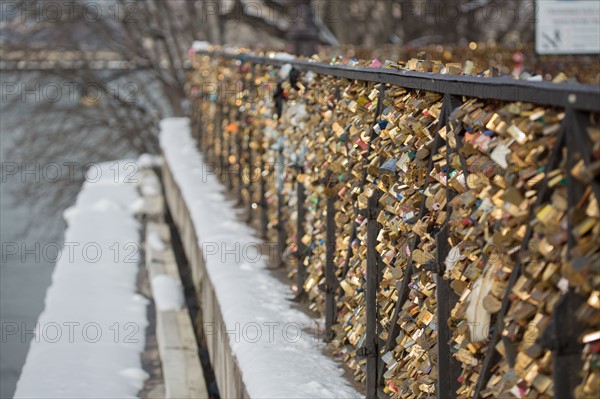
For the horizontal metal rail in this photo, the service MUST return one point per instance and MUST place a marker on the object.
(583, 97)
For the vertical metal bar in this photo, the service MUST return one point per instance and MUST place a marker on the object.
(198, 118)
(200, 121)
(211, 118)
(250, 163)
(239, 135)
(229, 150)
(250, 169)
(201, 127)
(449, 368)
(280, 229)
(574, 189)
(565, 331)
(193, 120)
(301, 248)
(281, 236)
(215, 135)
(567, 362)
(219, 139)
(240, 168)
(330, 279)
(372, 338)
(210, 141)
(218, 134)
(264, 217)
(374, 361)
(225, 137)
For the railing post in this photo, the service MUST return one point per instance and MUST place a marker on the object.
(372, 338)
(249, 152)
(219, 135)
(251, 169)
(301, 248)
(231, 141)
(214, 134)
(239, 135)
(330, 279)
(562, 336)
(449, 368)
(202, 122)
(281, 239)
(201, 127)
(210, 134)
(195, 120)
(240, 153)
(264, 217)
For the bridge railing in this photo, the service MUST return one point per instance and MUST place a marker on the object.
(444, 225)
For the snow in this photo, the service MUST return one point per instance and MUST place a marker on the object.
(200, 45)
(154, 241)
(89, 338)
(283, 56)
(147, 161)
(150, 186)
(167, 293)
(276, 355)
(138, 206)
(137, 376)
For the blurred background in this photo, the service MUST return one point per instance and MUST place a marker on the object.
(88, 81)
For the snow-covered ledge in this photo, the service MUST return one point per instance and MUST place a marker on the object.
(258, 343)
(89, 338)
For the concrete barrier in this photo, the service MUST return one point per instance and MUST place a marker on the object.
(227, 372)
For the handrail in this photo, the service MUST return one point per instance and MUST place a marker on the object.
(583, 97)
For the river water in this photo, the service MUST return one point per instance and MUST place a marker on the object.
(23, 284)
(25, 273)
(24, 277)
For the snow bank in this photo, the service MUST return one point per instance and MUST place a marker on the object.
(90, 335)
(277, 357)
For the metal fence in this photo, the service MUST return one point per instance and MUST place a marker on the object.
(578, 101)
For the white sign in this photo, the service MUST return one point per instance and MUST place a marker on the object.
(567, 27)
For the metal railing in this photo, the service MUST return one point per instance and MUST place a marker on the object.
(568, 95)
(576, 99)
